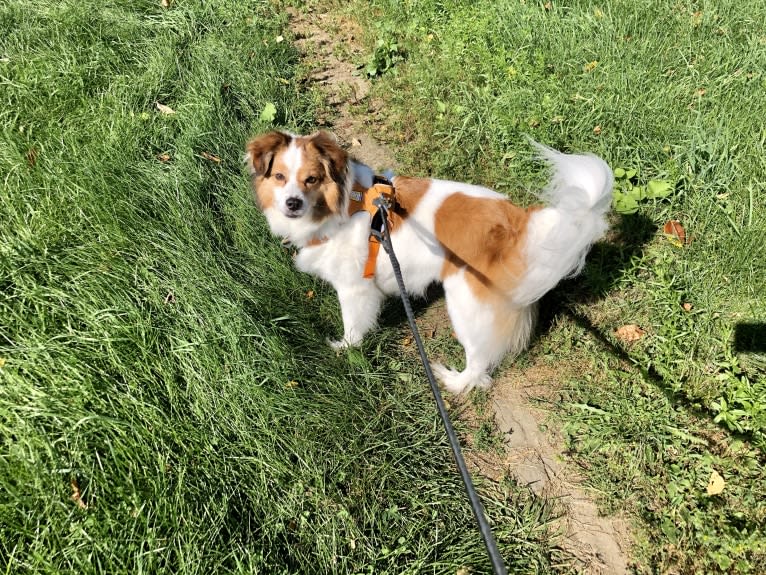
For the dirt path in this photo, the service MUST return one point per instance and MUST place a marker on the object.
(321, 38)
(329, 44)
(536, 459)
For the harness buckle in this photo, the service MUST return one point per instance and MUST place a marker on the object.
(385, 202)
(379, 200)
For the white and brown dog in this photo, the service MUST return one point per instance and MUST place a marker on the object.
(494, 259)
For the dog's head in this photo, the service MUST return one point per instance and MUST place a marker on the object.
(298, 176)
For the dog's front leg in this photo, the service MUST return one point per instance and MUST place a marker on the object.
(359, 306)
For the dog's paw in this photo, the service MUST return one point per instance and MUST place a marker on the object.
(337, 344)
(457, 382)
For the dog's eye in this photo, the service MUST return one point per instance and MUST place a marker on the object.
(311, 180)
(279, 177)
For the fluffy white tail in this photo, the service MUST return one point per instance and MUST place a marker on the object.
(559, 236)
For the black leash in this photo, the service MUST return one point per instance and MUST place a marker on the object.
(381, 232)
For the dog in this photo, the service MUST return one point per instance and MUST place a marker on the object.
(494, 259)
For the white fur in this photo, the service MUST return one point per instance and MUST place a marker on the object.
(558, 238)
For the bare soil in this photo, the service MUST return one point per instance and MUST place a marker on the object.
(330, 45)
(533, 453)
(535, 457)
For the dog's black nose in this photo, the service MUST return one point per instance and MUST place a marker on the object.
(294, 204)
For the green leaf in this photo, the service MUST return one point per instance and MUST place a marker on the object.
(669, 529)
(625, 204)
(638, 192)
(372, 69)
(723, 560)
(619, 173)
(268, 113)
(631, 173)
(659, 189)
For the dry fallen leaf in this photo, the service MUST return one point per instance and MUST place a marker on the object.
(291, 384)
(165, 3)
(687, 306)
(2, 362)
(629, 333)
(76, 496)
(310, 294)
(590, 66)
(164, 157)
(170, 298)
(675, 232)
(165, 109)
(31, 157)
(407, 340)
(463, 571)
(715, 484)
(356, 142)
(597, 130)
(211, 157)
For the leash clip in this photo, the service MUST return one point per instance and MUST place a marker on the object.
(376, 225)
(385, 202)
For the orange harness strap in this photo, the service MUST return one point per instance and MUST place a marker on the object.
(362, 201)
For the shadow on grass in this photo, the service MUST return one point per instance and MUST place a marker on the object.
(651, 375)
(750, 337)
(606, 264)
(393, 315)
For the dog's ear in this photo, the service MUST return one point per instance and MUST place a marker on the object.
(261, 150)
(333, 157)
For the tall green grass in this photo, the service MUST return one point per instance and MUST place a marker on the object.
(675, 91)
(167, 401)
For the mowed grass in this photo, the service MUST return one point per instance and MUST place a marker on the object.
(167, 401)
(674, 91)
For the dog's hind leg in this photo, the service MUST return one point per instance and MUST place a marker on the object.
(359, 306)
(487, 328)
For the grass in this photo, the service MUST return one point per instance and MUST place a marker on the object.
(167, 402)
(674, 91)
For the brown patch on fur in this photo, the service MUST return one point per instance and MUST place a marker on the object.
(261, 152)
(485, 237)
(409, 192)
(322, 152)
